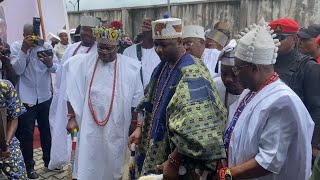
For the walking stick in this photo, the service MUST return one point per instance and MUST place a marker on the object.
(72, 165)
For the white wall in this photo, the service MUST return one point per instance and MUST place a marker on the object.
(107, 4)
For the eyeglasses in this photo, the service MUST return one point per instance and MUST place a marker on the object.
(188, 45)
(237, 69)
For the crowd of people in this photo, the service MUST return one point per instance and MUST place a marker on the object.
(188, 103)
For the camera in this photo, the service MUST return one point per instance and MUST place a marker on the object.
(36, 32)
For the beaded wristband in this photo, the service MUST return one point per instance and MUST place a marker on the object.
(223, 173)
(71, 115)
(173, 161)
(140, 125)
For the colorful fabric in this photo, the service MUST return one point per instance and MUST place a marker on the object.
(189, 118)
(9, 98)
(112, 34)
(107, 35)
(14, 167)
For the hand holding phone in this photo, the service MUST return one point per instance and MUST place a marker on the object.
(48, 52)
(46, 57)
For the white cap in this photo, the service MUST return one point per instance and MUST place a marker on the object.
(52, 37)
(256, 45)
(72, 31)
(193, 31)
(62, 31)
(226, 56)
(169, 28)
(89, 21)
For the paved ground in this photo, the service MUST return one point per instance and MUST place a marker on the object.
(48, 175)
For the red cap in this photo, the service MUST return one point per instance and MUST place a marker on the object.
(284, 25)
(318, 40)
(116, 24)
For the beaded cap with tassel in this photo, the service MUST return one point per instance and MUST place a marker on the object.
(256, 44)
(168, 28)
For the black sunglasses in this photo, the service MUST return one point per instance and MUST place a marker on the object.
(282, 37)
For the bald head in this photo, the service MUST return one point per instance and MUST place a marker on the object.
(27, 29)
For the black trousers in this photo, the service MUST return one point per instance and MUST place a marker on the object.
(25, 131)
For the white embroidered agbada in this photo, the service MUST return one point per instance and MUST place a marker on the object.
(60, 153)
(210, 59)
(276, 129)
(101, 150)
(149, 61)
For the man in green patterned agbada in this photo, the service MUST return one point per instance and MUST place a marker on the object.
(184, 117)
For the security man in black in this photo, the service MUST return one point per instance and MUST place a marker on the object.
(301, 73)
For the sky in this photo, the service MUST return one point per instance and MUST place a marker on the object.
(106, 4)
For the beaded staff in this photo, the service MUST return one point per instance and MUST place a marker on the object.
(72, 165)
(132, 162)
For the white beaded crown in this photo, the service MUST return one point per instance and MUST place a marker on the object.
(256, 44)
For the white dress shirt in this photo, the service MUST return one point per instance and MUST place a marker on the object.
(34, 85)
(210, 59)
(149, 61)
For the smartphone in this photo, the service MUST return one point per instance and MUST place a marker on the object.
(48, 52)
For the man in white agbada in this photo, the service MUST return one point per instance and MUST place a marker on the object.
(145, 53)
(58, 110)
(101, 90)
(193, 38)
(270, 134)
(63, 44)
(227, 85)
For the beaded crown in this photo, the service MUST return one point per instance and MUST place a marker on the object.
(256, 44)
(111, 33)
